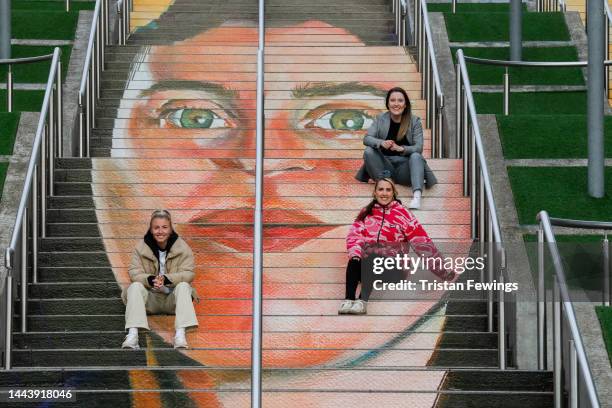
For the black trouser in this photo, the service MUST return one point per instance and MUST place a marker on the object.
(353, 277)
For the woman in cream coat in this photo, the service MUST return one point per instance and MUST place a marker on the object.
(161, 271)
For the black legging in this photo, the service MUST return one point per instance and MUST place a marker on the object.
(353, 277)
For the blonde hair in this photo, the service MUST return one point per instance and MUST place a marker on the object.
(164, 214)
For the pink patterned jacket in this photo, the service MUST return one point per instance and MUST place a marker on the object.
(393, 223)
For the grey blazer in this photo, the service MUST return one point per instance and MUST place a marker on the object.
(377, 133)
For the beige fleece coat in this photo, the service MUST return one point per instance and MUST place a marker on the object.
(179, 266)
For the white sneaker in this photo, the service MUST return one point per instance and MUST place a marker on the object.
(180, 341)
(359, 307)
(415, 203)
(131, 341)
(345, 306)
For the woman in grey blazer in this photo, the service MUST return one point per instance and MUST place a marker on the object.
(394, 147)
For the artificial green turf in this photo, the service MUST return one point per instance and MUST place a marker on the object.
(530, 103)
(3, 168)
(494, 75)
(50, 25)
(57, 5)
(35, 72)
(8, 130)
(471, 7)
(605, 319)
(24, 101)
(463, 27)
(548, 136)
(562, 191)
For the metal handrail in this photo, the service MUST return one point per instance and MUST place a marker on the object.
(256, 338)
(9, 75)
(33, 202)
(431, 85)
(562, 307)
(608, 13)
(89, 89)
(541, 64)
(477, 184)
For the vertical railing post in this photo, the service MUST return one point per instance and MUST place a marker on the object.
(34, 222)
(501, 315)
(440, 126)
(473, 169)
(51, 145)
(8, 336)
(454, 6)
(481, 207)
(24, 272)
(466, 143)
(606, 270)
(458, 111)
(81, 124)
(43, 182)
(541, 298)
(573, 374)
(506, 93)
(60, 109)
(557, 344)
(607, 54)
(9, 88)
(490, 274)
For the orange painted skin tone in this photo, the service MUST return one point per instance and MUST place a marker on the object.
(212, 197)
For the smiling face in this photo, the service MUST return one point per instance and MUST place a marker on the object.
(384, 192)
(161, 230)
(184, 139)
(397, 104)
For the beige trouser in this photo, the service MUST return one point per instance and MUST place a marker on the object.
(141, 301)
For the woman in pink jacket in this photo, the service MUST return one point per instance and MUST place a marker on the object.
(384, 220)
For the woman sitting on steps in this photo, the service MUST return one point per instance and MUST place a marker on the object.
(384, 220)
(161, 271)
(394, 147)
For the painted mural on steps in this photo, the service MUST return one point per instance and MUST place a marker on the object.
(184, 139)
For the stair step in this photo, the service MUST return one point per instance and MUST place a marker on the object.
(73, 230)
(215, 322)
(73, 188)
(75, 306)
(73, 290)
(77, 273)
(72, 259)
(73, 163)
(66, 202)
(84, 215)
(110, 339)
(71, 244)
(167, 357)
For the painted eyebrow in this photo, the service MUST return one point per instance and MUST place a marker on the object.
(213, 87)
(312, 89)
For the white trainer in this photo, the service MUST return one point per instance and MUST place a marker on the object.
(179, 340)
(359, 307)
(131, 341)
(415, 203)
(345, 306)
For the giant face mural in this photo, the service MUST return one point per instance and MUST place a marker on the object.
(184, 139)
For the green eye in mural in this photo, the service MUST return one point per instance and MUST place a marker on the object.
(344, 119)
(195, 119)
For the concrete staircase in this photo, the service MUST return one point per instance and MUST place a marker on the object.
(175, 129)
